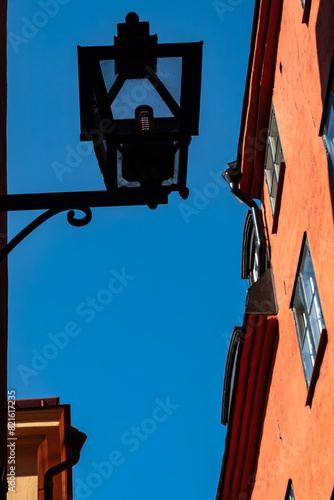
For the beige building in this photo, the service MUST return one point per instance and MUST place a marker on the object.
(42, 448)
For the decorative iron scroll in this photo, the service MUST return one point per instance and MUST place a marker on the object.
(71, 218)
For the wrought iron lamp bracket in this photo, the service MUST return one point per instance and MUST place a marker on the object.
(71, 218)
(54, 203)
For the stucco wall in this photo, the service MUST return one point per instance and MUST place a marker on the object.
(40, 445)
(298, 441)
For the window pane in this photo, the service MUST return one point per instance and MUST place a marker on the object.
(279, 155)
(277, 169)
(269, 169)
(316, 320)
(302, 325)
(299, 311)
(269, 177)
(269, 160)
(308, 355)
(308, 281)
(273, 192)
(273, 144)
(273, 125)
(255, 268)
(291, 493)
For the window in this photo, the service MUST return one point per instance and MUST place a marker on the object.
(307, 311)
(256, 268)
(273, 161)
(254, 259)
(328, 122)
(230, 371)
(290, 495)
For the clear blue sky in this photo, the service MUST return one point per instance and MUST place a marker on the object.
(142, 367)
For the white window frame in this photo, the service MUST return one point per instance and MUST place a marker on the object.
(307, 311)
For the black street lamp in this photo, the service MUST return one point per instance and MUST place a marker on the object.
(139, 104)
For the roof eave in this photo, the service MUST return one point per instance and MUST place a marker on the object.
(248, 406)
(258, 95)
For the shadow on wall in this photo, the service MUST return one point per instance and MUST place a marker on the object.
(325, 53)
(265, 404)
(325, 42)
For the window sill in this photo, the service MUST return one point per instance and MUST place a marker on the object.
(317, 364)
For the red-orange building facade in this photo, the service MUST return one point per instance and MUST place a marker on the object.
(278, 400)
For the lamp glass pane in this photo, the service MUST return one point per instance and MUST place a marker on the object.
(158, 87)
(169, 70)
(108, 73)
(137, 92)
